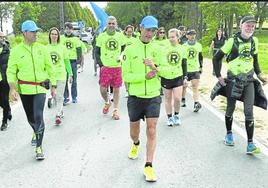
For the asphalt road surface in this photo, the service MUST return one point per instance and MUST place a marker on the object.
(90, 149)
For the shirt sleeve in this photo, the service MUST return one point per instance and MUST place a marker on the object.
(99, 41)
(12, 67)
(227, 47)
(67, 62)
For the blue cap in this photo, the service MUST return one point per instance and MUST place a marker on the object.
(29, 25)
(149, 22)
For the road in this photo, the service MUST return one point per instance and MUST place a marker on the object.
(90, 149)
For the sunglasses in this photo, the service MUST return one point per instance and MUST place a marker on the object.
(162, 32)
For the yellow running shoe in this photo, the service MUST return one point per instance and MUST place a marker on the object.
(134, 151)
(149, 174)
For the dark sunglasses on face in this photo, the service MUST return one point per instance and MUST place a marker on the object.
(162, 32)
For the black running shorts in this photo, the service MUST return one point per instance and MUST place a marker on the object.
(141, 108)
(171, 83)
(193, 75)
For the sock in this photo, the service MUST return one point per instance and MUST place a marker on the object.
(136, 144)
(250, 130)
(169, 115)
(176, 113)
(148, 164)
(228, 123)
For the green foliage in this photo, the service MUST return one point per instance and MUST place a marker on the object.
(127, 12)
(6, 11)
(25, 11)
(69, 13)
(50, 16)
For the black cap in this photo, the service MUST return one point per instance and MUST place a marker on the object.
(191, 32)
(247, 19)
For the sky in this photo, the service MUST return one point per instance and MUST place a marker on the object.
(7, 26)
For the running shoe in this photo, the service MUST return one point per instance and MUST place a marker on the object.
(183, 103)
(197, 107)
(33, 142)
(229, 140)
(9, 115)
(115, 115)
(252, 149)
(4, 127)
(58, 120)
(106, 107)
(177, 120)
(170, 121)
(149, 174)
(74, 100)
(134, 151)
(65, 101)
(39, 154)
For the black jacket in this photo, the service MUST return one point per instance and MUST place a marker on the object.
(260, 98)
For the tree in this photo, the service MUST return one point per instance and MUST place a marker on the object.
(69, 13)
(6, 12)
(261, 9)
(50, 15)
(127, 13)
(25, 11)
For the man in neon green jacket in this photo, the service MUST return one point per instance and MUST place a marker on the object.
(31, 68)
(140, 72)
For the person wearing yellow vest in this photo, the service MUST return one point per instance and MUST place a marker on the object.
(109, 46)
(173, 73)
(31, 70)
(75, 51)
(242, 59)
(60, 59)
(194, 67)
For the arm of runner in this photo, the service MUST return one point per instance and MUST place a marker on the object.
(67, 62)
(12, 70)
(128, 74)
(184, 67)
(98, 55)
(200, 58)
(217, 62)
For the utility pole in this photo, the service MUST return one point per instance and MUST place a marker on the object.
(61, 12)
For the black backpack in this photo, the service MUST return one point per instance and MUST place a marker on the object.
(234, 51)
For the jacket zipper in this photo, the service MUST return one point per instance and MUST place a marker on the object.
(145, 69)
(33, 67)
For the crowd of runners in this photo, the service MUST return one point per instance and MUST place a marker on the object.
(149, 60)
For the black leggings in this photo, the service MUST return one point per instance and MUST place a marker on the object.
(4, 99)
(34, 107)
(248, 98)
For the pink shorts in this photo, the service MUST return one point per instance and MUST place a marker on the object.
(110, 76)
